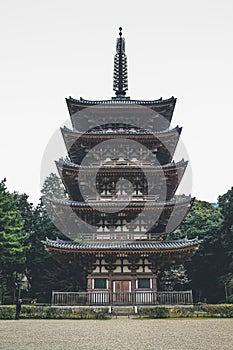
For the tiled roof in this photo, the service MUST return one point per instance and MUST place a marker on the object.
(123, 132)
(138, 204)
(121, 101)
(143, 245)
(68, 163)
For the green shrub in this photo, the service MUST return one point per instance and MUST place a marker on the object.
(7, 300)
(101, 315)
(218, 310)
(229, 299)
(179, 312)
(7, 312)
(200, 310)
(155, 312)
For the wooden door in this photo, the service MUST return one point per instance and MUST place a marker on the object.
(122, 292)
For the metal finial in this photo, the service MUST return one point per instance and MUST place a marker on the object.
(120, 79)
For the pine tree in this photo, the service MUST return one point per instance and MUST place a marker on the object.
(12, 248)
(226, 208)
(207, 265)
(53, 187)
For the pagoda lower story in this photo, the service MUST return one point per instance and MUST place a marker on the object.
(122, 273)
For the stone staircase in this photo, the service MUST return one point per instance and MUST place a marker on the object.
(123, 310)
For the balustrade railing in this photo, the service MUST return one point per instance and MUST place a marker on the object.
(131, 298)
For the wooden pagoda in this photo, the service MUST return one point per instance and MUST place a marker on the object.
(121, 257)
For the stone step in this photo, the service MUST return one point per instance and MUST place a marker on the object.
(123, 310)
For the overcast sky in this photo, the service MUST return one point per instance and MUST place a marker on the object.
(51, 49)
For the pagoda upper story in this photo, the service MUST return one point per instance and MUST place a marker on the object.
(160, 107)
(158, 146)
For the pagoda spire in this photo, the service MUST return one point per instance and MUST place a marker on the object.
(120, 75)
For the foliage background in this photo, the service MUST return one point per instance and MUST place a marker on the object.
(23, 228)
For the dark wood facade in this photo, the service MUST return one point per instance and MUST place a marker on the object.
(119, 273)
(168, 176)
(120, 258)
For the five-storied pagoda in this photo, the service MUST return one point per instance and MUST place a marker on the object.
(121, 179)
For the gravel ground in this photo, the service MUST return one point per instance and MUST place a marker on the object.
(120, 333)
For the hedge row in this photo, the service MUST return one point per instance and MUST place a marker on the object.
(7, 312)
(203, 310)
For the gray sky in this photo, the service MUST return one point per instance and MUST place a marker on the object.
(52, 49)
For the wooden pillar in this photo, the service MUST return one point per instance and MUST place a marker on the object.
(110, 287)
(133, 289)
(154, 282)
(89, 282)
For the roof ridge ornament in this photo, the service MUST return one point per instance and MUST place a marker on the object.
(120, 74)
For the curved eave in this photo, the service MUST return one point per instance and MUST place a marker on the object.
(156, 247)
(98, 204)
(82, 103)
(66, 132)
(67, 165)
